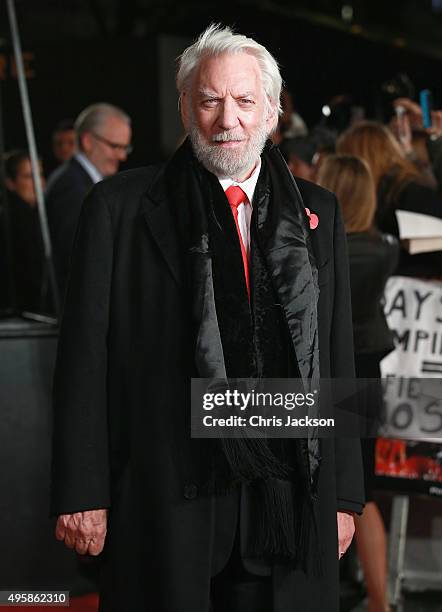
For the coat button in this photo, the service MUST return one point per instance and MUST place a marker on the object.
(190, 491)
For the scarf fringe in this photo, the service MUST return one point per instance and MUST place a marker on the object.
(284, 529)
(251, 458)
(273, 532)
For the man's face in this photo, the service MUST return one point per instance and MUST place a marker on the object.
(63, 145)
(226, 114)
(106, 147)
(23, 184)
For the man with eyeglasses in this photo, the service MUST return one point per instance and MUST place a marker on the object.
(103, 135)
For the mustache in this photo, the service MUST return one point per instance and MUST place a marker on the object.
(228, 136)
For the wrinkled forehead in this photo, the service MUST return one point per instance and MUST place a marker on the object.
(237, 73)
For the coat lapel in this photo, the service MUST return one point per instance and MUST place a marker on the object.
(286, 244)
(284, 239)
(157, 213)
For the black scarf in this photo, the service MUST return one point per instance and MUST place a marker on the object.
(282, 474)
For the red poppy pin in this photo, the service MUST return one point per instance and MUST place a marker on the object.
(313, 219)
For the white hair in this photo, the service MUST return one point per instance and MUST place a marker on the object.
(228, 163)
(94, 116)
(216, 40)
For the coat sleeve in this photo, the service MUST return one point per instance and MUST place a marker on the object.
(348, 459)
(80, 461)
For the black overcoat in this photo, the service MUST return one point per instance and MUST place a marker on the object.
(123, 358)
(65, 193)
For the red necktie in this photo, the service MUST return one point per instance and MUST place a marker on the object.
(236, 196)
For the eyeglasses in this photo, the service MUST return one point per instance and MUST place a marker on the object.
(127, 149)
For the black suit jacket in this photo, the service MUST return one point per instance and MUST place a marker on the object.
(120, 439)
(414, 197)
(373, 259)
(65, 194)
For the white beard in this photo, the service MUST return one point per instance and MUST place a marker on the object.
(228, 163)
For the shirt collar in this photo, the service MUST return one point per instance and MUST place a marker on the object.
(93, 172)
(248, 186)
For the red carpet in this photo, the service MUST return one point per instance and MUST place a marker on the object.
(87, 603)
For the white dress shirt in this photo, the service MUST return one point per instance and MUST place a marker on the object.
(244, 210)
(95, 175)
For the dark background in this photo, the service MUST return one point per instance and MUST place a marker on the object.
(121, 51)
(81, 51)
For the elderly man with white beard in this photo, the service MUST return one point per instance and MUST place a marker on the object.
(213, 265)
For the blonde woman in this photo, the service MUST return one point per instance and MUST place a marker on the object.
(373, 257)
(399, 185)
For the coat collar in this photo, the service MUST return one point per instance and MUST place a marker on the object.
(157, 213)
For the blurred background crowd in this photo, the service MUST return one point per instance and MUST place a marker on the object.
(101, 85)
(375, 167)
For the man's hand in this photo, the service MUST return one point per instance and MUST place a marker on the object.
(84, 531)
(346, 529)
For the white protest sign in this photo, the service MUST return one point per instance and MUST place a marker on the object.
(414, 313)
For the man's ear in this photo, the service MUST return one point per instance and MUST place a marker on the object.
(272, 119)
(86, 143)
(185, 111)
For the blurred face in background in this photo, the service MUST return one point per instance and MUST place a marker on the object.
(108, 145)
(23, 183)
(64, 145)
(300, 168)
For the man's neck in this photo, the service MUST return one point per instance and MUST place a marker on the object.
(246, 175)
(90, 168)
(248, 185)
